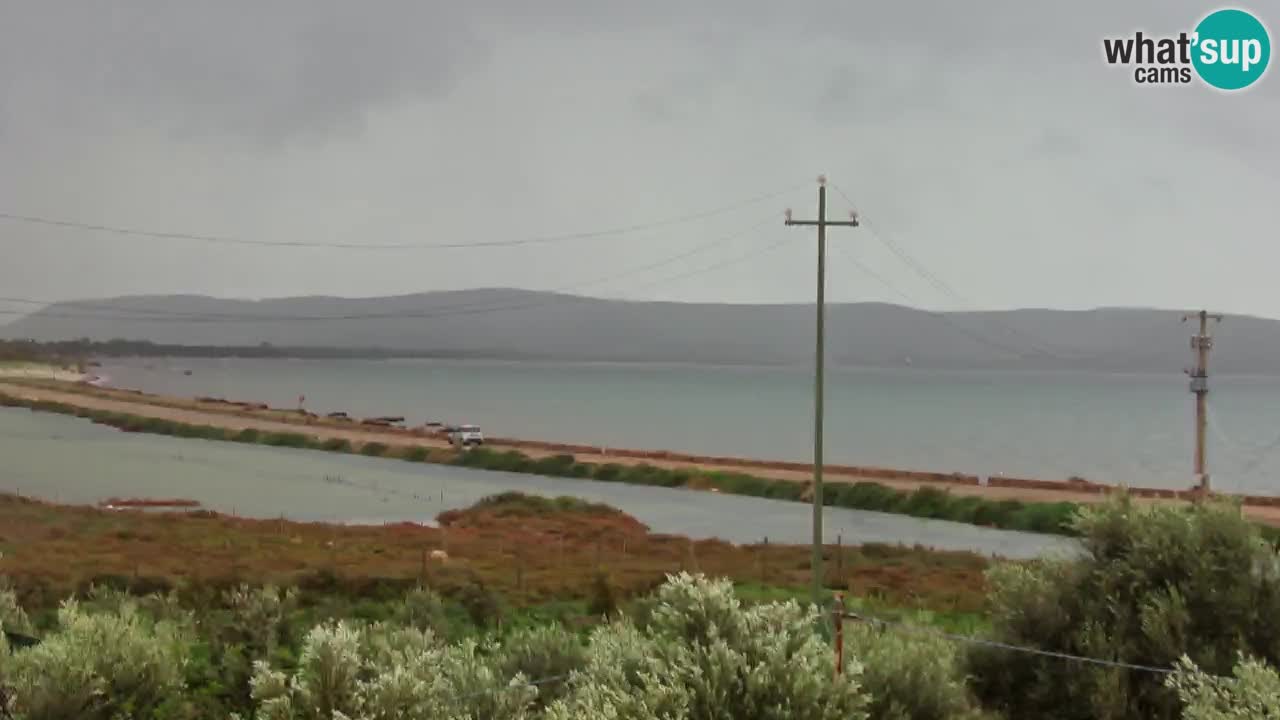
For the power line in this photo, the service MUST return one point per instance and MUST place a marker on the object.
(229, 240)
(969, 639)
(1263, 453)
(1039, 345)
(161, 314)
(947, 320)
(1256, 453)
(941, 285)
(443, 311)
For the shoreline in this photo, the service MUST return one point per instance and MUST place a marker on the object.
(242, 416)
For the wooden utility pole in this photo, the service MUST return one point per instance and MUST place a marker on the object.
(1201, 343)
(821, 223)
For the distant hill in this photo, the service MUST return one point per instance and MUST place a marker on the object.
(521, 324)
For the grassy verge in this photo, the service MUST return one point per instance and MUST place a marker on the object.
(925, 502)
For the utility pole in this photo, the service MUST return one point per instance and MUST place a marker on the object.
(819, 352)
(1201, 343)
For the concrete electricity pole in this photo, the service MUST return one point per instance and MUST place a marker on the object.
(1201, 343)
(819, 352)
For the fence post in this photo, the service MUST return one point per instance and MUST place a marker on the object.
(764, 562)
(838, 618)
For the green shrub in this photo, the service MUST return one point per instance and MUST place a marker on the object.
(701, 654)
(483, 605)
(336, 445)
(609, 472)
(417, 453)
(676, 478)
(518, 503)
(247, 435)
(792, 491)
(373, 449)
(541, 652)
(476, 458)
(927, 502)
(643, 474)
(740, 484)
(909, 677)
(423, 609)
(346, 670)
(1153, 583)
(997, 514)
(12, 617)
(286, 439)
(1252, 691)
(603, 600)
(870, 496)
(511, 461)
(554, 466)
(961, 508)
(98, 667)
(1051, 518)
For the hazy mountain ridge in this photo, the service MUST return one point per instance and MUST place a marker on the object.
(504, 323)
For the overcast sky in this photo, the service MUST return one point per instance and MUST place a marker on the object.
(988, 139)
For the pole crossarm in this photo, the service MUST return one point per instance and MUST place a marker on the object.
(827, 223)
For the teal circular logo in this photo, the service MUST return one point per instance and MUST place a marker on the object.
(1232, 49)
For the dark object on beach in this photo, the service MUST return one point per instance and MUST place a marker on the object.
(376, 422)
(186, 372)
(390, 419)
(341, 415)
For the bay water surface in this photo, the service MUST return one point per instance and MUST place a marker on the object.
(72, 460)
(1131, 429)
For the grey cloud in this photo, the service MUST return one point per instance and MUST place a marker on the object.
(1057, 142)
(263, 70)
(989, 138)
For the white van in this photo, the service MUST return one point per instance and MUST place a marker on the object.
(464, 435)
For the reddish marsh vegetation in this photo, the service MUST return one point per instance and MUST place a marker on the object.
(530, 550)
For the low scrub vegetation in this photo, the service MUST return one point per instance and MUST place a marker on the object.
(1179, 606)
(698, 653)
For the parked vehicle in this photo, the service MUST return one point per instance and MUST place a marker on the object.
(465, 435)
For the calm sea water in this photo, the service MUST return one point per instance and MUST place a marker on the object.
(72, 460)
(1134, 429)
